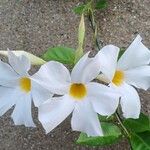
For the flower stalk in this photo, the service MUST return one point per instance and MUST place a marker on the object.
(94, 28)
(126, 133)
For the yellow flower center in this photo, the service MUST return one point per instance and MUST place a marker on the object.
(25, 84)
(118, 78)
(78, 91)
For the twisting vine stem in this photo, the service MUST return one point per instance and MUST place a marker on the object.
(121, 124)
(94, 28)
(91, 19)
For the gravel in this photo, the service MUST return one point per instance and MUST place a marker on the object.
(35, 25)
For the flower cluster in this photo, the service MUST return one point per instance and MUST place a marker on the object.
(76, 92)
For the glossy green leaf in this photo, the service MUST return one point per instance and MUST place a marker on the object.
(111, 135)
(138, 125)
(62, 54)
(101, 4)
(140, 141)
(79, 9)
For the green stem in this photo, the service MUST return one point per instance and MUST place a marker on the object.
(121, 124)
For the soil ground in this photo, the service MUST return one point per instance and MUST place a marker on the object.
(35, 25)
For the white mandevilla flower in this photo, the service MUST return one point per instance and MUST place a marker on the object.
(18, 89)
(80, 96)
(131, 69)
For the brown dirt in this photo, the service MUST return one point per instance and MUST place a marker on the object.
(35, 25)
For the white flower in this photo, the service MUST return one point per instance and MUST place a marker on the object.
(18, 89)
(131, 69)
(80, 96)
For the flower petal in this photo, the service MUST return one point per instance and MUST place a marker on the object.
(54, 76)
(54, 111)
(84, 119)
(139, 77)
(130, 101)
(22, 114)
(6, 99)
(136, 55)
(108, 56)
(7, 75)
(104, 99)
(20, 64)
(86, 69)
(39, 94)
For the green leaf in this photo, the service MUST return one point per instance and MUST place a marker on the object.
(79, 9)
(140, 132)
(101, 4)
(138, 125)
(83, 8)
(111, 135)
(121, 52)
(62, 54)
(140, 141)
